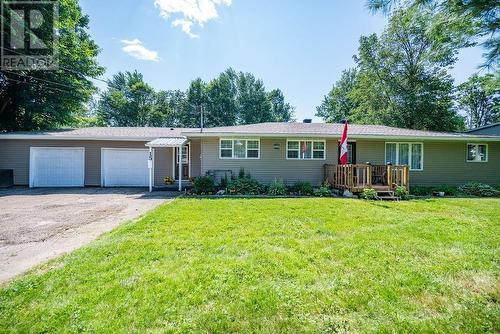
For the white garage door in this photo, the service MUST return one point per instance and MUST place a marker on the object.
(57, 166)
(125, 167)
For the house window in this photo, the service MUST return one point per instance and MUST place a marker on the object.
(351, 154)
(306, 149)
(410, 154)
(239, 149)
(185, 158)
(477, 152)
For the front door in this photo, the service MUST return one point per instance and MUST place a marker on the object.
(185, 162)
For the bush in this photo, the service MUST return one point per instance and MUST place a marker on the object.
(429, 191)
(478, 189)
(223, 183)
(421, 191)
(203, 185)
(401, 192)
(245, 186)
(277, 188)
(303, 188)
(448, 190)
(322, 191)
(369, 193)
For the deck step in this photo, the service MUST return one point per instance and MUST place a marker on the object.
(388, 198)
(386, 195)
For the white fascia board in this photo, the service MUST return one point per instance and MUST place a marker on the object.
(305, 135)
(48, 137)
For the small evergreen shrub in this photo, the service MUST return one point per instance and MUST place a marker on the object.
(448, 190)
(401, 192)
(223, 183)
(303, 188)
(369, 194)
(245, 186)
(322, 191)
(277, 188)
(203, 185)
(478, 189)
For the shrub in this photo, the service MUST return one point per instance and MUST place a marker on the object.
(322, 191)
(277, 188)
(401, 192)
(223, 183)
(241, 174)
(420, 191)
(478, 189)
(369, 193)
(203, 185)
(303, 188)
(448, 190)
(245, 186)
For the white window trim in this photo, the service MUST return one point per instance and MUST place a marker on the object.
(312, 149)
(409, 155)
(232, 157)
(476, 144)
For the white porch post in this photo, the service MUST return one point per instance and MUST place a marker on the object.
(150, 166)
(180, 167)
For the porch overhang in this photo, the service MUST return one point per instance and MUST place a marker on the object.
(167, 142)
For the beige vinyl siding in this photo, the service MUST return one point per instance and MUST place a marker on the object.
(444, 162)
(272, 163)
(15, 154)
(163, 164)
(195, 157)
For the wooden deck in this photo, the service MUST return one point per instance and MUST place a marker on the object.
(357, 177)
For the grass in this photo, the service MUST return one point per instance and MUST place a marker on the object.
(275, 265)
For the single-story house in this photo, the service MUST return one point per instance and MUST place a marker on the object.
(490, 129)
(143, 156)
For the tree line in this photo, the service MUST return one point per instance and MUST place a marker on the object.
(401, 77)
(230, 99)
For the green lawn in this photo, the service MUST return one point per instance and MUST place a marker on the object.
(275, 265)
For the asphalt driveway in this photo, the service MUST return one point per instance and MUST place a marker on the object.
(40, 224)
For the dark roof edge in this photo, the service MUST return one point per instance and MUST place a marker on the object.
(484, 127)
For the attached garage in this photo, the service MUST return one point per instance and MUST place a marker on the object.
(57, 167)
(122, 167)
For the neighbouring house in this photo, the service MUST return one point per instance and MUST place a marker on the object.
(490, 129)
(115, 157)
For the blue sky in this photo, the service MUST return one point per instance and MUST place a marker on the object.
(300, 47)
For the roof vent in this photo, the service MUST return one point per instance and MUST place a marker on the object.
(307, 120)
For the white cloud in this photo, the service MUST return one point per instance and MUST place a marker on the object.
(189, 12)
(185, 26)
(135, 49)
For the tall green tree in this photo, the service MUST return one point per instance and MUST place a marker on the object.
(196, 98)
(253, 104)
(479, 99)
(129, 101)
(462, 21)
(339, 103)
(402, 78)
(281, 110)
(37, 100)
(221, 107)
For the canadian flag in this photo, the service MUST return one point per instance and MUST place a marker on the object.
(343, 146)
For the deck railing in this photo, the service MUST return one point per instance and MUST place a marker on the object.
(359, 176)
